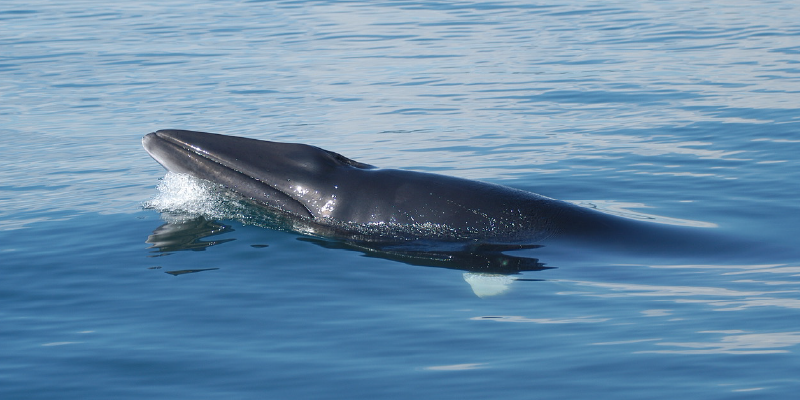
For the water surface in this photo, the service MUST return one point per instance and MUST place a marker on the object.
(681, 111)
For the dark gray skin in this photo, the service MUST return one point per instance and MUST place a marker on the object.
(343, 198)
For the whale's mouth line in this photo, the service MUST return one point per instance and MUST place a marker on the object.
(189, 149)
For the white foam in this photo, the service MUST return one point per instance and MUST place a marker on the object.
(182, 197)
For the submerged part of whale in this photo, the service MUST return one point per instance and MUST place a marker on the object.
(326, 194)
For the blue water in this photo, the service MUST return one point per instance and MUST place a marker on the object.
(683, 111)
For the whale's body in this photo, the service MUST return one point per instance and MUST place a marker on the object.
(347, 199)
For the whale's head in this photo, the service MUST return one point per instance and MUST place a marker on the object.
(291, 177)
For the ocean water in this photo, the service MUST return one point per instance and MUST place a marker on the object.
(119, 281)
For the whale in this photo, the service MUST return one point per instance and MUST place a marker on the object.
(325, 194)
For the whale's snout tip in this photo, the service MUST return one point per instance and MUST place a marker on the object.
(148, 139)
(159, 135)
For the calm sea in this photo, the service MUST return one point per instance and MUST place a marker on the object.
(679, 111)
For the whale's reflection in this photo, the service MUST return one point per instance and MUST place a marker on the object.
(186, 235)
(488, 259)
(488, 270)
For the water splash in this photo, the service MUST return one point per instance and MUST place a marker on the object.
(182, 197)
